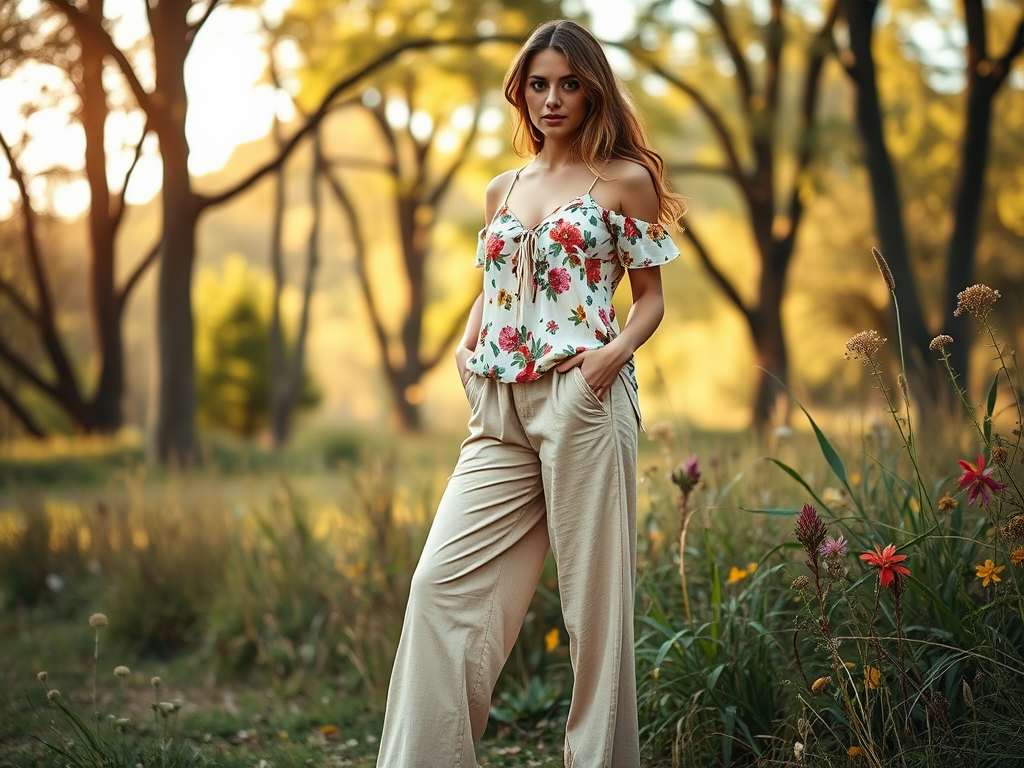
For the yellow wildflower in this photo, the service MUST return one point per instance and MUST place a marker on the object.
(1017, 556)
(853, 751)
(736, 574)
(551, 639)
(872, 677)
(988, 572)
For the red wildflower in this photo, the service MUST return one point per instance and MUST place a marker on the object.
(568, 235)
(979, 480)
(886, 561)
(508, 339)
(559, 280)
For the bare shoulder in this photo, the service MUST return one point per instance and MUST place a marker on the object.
(631, 190)
(497, 188)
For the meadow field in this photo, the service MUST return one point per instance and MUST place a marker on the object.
(247, 612)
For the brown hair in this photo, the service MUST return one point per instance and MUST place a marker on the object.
(612, 128)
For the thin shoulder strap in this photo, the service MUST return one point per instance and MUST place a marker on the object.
(514, 180)
(593, 184)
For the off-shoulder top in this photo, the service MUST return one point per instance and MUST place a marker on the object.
(548, 290)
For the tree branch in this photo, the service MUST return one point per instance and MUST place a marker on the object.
(119, 203)
(459, 160)
(15, 361)
(339, 87)
(716, 10)
(194, 29)
(19, 412)
(137, 273)
(85, 26)
(457, 326)
(716, 274)
(1014, 49)
(717, 123)
(19, 301)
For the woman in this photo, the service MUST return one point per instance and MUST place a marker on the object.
(551, 456)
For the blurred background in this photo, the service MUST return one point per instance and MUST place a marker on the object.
(259, 218)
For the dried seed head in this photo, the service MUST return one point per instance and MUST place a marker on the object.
(97, 620)
(820, 685)
(976, 300)
(155, 682)
(42, 676)
(1000, 454)
(53, 696)
(800, 582)
(903, 387)
(835, 569)
(947, 503)
(883, 267)
(940, 342)
(1014, 528)
(864, 346)
(940, 704)
(122, 671)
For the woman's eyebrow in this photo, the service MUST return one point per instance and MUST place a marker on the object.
(563, 77)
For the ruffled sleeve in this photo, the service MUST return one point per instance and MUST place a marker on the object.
(639, 244)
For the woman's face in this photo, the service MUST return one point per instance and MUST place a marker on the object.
(554, 97)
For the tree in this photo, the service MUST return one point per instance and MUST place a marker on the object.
(754, 155)
(985, 74)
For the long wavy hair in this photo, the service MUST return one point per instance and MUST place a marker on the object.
(612, 128)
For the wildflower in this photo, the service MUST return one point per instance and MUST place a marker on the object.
(947, 503)
(800, 582)
(940, 342)
(656, 673)
(330, 731)
(978, 480)
(1017, 556)
(864, 345)
(886, 560)
(42, 676)
(820, 685)
(155, 682)
(97, 620)
(1000, 455)
(853, 751)
(988, 572)
(687, 475)
(883, 267)
(53, 696)
(836, 546)
(661, 430)
(976, 300)
(551, 639)
(810, 530)
(122, 671)
(872, 677)
(1014, 528)
(736, 574)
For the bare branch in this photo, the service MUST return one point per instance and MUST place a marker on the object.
(340, 87)
(1014, 49)
(19, 301)
(460, 158)
(23, 369)
(194, 29)
(716, 274)
(717, 123)
(456, 328)
(716, 10)
(84, 25)
(22, 415)
(140, 269)
(119, 203)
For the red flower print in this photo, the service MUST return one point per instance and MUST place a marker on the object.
(979, 480)
(601, 313)
(494, 246)
(508, 339)
(552, 326)
(886, 561)
(559, 280)
(593, 271)
(568, 235)
(631, 231)
(528, 373)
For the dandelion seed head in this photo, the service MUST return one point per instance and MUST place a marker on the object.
(122, 671)
(864, 346)
(156, 682)
(940, 342)
(883, 267)
(53, 696)
(98, 620)
(976, 301)
(42, 676)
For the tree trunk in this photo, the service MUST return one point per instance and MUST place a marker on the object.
(105, 304)
(885, 194)
(175, 429)
(770, 404)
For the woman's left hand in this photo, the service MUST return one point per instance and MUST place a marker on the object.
(600, 367)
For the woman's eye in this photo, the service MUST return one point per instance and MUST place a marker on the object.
(571, 85)
(537, 85)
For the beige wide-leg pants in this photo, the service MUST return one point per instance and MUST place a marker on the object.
(545, 461)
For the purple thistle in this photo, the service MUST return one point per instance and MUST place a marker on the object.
(836, 546)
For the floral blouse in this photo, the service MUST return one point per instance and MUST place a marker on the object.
(548, 290)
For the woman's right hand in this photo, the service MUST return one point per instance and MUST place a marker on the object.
(462, 355)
